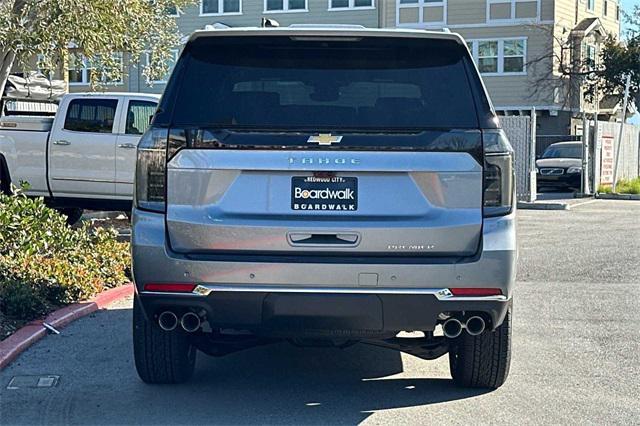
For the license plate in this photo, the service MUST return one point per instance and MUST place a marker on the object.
(334, 193)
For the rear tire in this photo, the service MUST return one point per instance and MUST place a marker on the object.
(73, 214)
(482, 361)
(161, 357)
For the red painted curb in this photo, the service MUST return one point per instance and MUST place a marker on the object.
(22, 339)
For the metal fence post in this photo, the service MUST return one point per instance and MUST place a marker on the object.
(597, 147)
(584, 185)
(533, 183)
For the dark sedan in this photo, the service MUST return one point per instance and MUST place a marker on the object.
(560, 167)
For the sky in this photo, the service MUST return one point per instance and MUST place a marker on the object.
(627, 5)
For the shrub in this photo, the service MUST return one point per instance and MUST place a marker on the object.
(45, 263)
(629, 186)
(624, 186)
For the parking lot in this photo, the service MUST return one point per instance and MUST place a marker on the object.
(576, 356)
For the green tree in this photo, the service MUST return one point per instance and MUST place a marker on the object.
(99, 28)
(619, 59)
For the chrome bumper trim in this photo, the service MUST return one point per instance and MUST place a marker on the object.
(440, 293)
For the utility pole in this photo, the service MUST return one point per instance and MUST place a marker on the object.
(620, 133)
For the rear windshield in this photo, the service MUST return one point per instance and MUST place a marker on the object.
(284, 83)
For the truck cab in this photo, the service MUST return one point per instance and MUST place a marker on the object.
(83, 157)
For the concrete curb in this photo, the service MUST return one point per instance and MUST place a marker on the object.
(525, 205)
(22, 339)
(618, 196)
(102, 215)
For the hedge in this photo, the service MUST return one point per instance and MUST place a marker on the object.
(44, 263)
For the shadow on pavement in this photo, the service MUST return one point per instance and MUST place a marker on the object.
(272, 384)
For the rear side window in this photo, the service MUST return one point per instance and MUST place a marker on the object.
(288, 83)
(91, 115)
(139, 115)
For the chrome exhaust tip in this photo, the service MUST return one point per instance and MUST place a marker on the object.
(475, 325)
(168, 321)
(452, 328)
(190, 322)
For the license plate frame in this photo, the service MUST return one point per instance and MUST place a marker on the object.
(326, 194)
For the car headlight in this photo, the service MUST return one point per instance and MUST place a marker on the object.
(574, 169)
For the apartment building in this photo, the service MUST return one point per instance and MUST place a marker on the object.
(518, 45)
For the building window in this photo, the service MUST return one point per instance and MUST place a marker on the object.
(488, 57)
(421, 13)
(173, 11)
(350, 4)
(617, 12)
(499, 57)
(42, 65)
(590, 58)
(220, 7)
(285, 6)
(81, 67)
(170, 63)
(591, 5)
(605, 7)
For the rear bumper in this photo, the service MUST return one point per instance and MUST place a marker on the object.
(296, 314)
(309, 297)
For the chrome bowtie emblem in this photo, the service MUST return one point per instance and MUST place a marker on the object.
(325, 139)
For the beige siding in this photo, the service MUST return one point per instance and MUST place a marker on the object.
(526, 10)
(466, 12)
(566, 14)
(546, 10)
(519, 91)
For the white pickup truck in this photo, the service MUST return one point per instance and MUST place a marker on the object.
(84, 157)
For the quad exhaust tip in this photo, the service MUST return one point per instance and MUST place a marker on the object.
(453, 327)
(190, 322)
(475, 325)
(168, 321)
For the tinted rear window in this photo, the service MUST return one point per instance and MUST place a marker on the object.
(275, 82)
(91, 115)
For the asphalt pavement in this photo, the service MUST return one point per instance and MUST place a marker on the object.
(576, 356)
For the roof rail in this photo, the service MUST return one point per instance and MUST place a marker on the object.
(341, 26)
(216, 26)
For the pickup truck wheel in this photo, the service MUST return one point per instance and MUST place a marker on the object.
(73, 215)
(5, 178)
(482, 361)
(161, 357)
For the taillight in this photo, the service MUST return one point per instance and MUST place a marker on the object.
(499, 174)
(151, 170)
(170, 287)
(475, 292)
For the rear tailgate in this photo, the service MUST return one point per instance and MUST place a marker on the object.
(292, 201)
(303, 146)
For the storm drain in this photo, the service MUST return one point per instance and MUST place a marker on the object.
(21, 382)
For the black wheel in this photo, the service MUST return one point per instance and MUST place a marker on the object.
(482, 361)
(161, 357)
(5, 179)
(73, 214)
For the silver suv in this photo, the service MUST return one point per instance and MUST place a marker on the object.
(325, 187)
